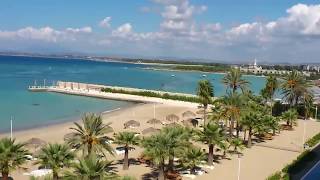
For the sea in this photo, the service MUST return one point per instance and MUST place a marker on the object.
(31, 109)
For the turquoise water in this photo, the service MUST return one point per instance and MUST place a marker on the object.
(36, 109)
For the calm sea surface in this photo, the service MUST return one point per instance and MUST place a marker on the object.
(37, 109)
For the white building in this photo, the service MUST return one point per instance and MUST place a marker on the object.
(256, 69)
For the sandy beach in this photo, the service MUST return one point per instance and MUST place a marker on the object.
(256, 163)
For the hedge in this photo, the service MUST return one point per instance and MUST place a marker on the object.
(314, 140)
(275, 176)
(154, 94)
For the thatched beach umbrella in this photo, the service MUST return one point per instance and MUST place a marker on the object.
(150, 130)
(174, 124)
(131, 124)
(188, 114)
(187, 123)
(191, 122)
(35, 143)
(201, 111)
(172, 117)
(154, 121)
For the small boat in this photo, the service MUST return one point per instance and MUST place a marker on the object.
(204, 75)
(173, 75)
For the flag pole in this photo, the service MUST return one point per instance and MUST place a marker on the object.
(11, 127)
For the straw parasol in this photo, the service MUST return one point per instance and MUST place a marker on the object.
(172, 117)
(190, 122)
(174, 124)
(35, 143)
(154, 121)
(150, 130)
(188, 114)
(131, 124)
(187, 123)
(201, 111)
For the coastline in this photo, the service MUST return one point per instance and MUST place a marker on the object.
(52, 126)
(66, 120)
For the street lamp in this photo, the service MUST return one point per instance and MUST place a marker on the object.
(239, 165)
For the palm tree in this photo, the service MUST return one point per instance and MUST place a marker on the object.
(12, 156)
(212, 135)
(270, 89)
(192, 157)
(91, 137)
(293, 87)
(290, 117)
(224, 147)
(250, 120)
(90, 168)
(205, 93)
(178, 139)
(272, 123)
(126, 139)
(233, 104)
(237, 145)
(233, 80)
(155, 148)
(56, 157)
(307, 99)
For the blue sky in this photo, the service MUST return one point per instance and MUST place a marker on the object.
(168, 28)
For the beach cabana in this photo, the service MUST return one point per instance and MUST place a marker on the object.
(172, 117)
(150, 130)
(131, 124)
(35, 143)
(188, 114)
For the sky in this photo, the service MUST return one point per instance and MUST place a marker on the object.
(211, 30)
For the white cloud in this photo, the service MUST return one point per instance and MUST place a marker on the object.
(80, 30)
(106, 22)
(45, 34)
(123, 30)
(285, 38)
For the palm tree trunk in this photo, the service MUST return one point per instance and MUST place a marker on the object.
(271, 107)
(89, 148)
(126, 159)
(238, 128)
(5, 175)
(55, 175)
(204, 115)
(244, 135)
(210, 155)
(171, 162)
(231, 127)
(193, 170)
(161, 175)
(249, 138)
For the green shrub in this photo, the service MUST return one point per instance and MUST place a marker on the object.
(275, 176)
(154, 94)
(314, 140)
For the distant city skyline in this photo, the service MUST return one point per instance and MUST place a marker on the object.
(271, 31)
